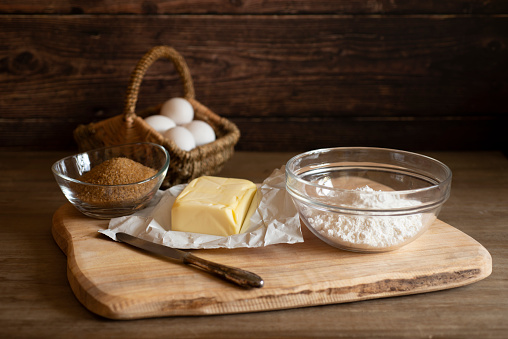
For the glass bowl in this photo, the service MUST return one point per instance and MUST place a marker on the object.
(112, 181)
(367, 199)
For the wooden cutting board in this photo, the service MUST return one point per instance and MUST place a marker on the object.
(117, 281)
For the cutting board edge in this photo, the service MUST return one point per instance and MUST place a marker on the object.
(124, 308)
(59, 232)
(118, 306)
(64, 240)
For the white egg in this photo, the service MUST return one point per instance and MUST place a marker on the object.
(182, 137)
(160, 123)
(203, 133)
(179, 110)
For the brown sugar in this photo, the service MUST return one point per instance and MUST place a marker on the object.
(117, 171)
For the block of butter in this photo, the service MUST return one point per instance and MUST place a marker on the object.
(214, 205)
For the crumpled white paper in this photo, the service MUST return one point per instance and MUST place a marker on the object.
(275, 221)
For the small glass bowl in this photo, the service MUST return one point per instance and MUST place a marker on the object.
(367, 199)
(110, 201)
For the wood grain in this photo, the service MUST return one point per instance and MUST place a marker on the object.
(250, 7)
(337, 74)
(116, 281)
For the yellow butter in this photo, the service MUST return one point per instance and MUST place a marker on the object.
(213, 205)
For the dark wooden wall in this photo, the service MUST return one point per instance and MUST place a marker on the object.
(293, 75)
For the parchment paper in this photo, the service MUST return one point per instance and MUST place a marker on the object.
(275, 221)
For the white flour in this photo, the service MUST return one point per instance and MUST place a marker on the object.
(368, 231)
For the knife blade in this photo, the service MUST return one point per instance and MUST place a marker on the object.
(232, 274)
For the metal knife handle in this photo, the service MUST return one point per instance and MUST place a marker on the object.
(232, 274)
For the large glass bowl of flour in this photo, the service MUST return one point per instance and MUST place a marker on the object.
(367, 199)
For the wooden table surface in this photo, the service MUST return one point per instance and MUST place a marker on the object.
(36, 300)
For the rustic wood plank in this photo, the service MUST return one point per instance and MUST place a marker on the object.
(251, 7)
(354, 64)
(414, 134)
(476, 133)
(301, 68)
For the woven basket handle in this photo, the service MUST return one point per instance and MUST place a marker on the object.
(144, 63)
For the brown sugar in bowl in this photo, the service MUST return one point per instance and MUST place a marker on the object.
(112, 181)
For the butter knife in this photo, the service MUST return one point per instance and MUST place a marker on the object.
(231, 274)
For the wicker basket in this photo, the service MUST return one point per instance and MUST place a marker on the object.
(128, 127)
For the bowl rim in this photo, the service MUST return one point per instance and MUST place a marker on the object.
(445, 182)
(163, 169)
